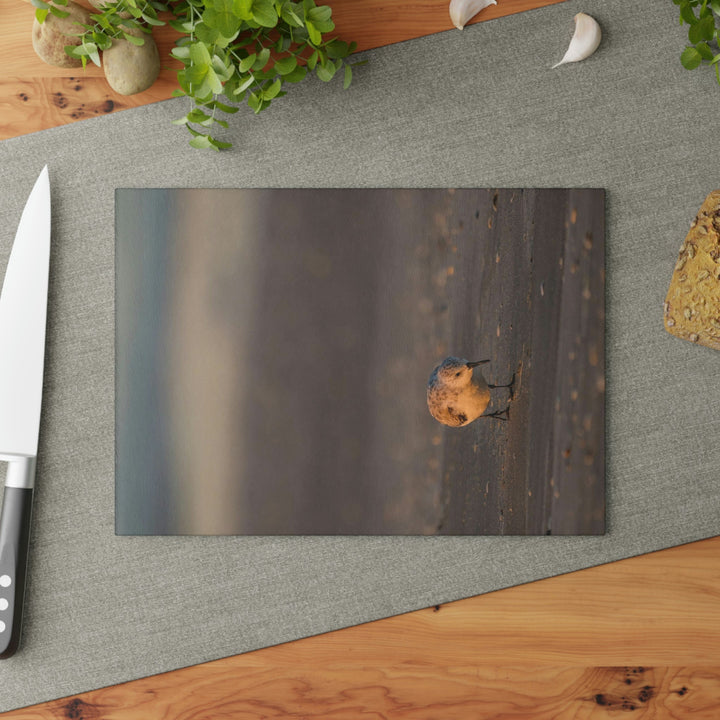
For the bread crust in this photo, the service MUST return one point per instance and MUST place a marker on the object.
(692, 305)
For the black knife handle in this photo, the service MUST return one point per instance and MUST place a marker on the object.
(14, 542)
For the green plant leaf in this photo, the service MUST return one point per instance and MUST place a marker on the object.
(133, 39)
(715, 5)
(213, 81)
(246, 63)
(704, 49)
(243, 9)
(229, 109)
(688, 14)
(128, 24)
(202, 142)
(264, 13)
(90, 49)
(182, 26)
(272, 90)
(337, 49)
(222, 17)
(297, 75)
(690, 58)
(58, 13)
(262, 59)
(702, 30)
(183, 82)
(218, 65)
(254, 102)
(180, 53)
(285, 65)
(102, 21)
(195, 75)
(290, 16)
(319, 14)
(196, 115)
(244, 85)
(101, 40)
(199, 54)
(219, 145)
(348, 77)
(204, 92)
(313, 33)
(155, 22)
(41, 14)
(325, 72)
(320, 18)
(150, 17)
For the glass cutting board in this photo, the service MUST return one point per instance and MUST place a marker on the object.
(273, 350)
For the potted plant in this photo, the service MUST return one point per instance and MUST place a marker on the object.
(232, 51)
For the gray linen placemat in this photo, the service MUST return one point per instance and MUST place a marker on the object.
(474, 109)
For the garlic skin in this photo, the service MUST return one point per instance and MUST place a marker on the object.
(463, 10)
(584, 42)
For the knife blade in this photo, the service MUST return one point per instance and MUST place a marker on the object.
(23, 312)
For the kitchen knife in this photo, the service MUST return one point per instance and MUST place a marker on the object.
(23, 310)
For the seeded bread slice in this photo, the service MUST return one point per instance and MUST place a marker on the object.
(692, 305)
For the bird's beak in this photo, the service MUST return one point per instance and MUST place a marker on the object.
(475, 364)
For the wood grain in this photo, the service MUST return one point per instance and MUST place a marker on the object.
(412, 692)
(35, 96)
(640, 635)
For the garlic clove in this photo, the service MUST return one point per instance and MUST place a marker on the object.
(585, 40)
(463, 10)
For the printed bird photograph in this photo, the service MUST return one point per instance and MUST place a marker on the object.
(375, 361)
(458, 394)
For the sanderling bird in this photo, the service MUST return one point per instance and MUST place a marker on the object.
(457, 395)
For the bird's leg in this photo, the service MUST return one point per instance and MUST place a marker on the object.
(510, 385)
(498, 414)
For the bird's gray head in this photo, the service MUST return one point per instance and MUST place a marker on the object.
(452, 372)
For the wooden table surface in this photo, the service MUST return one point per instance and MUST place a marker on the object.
(35, 96)
(638, 636)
